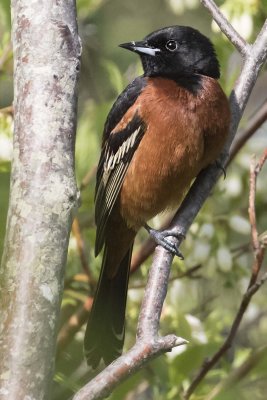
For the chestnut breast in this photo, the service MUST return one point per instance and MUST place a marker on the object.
(185, 132)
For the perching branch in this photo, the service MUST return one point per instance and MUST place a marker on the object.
(147, 248)
(148, 343)
(43, 193)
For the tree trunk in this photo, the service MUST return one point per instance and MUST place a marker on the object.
(43, 193)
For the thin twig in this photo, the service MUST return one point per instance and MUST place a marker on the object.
(262, 161)
(6, 54)
(253, 124)
(81, 250)
(142, 254)
(7, 110)
(257, 246)
(211, 362)
(188, 273)
(240, 250)
(226, 27)
(252, 288)
(87, 178)
(239, 373)
(73, 325)
(251, 209)
(79, 317)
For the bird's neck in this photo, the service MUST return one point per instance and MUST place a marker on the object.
(192, 82)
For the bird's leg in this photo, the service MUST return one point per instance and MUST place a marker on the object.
(160, 237)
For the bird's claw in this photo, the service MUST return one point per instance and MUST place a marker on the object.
(160, 237)
(221, 167)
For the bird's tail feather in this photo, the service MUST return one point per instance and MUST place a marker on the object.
(104, 336)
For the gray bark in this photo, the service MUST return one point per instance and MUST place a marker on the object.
(43, 193)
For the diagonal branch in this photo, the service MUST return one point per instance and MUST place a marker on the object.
(225, 26)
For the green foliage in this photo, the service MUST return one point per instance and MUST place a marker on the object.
(88, 7)
(200, 309)
(5, 14)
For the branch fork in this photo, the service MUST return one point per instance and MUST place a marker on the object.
(148, 344)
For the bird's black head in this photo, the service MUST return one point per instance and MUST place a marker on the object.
(176, 52)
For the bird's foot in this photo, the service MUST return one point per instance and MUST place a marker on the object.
(220, 166)
(160, 237)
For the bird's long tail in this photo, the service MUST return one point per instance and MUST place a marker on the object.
(104, 336)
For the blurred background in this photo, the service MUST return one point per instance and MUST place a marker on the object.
(206, 289)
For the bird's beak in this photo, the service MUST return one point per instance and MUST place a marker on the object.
(140, 48)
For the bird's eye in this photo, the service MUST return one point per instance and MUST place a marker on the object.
(171, 45)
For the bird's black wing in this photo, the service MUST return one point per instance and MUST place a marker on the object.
(117, 151)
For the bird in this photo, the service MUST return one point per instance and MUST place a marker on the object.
(164, 128)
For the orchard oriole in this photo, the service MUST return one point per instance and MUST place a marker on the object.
(163, 129)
